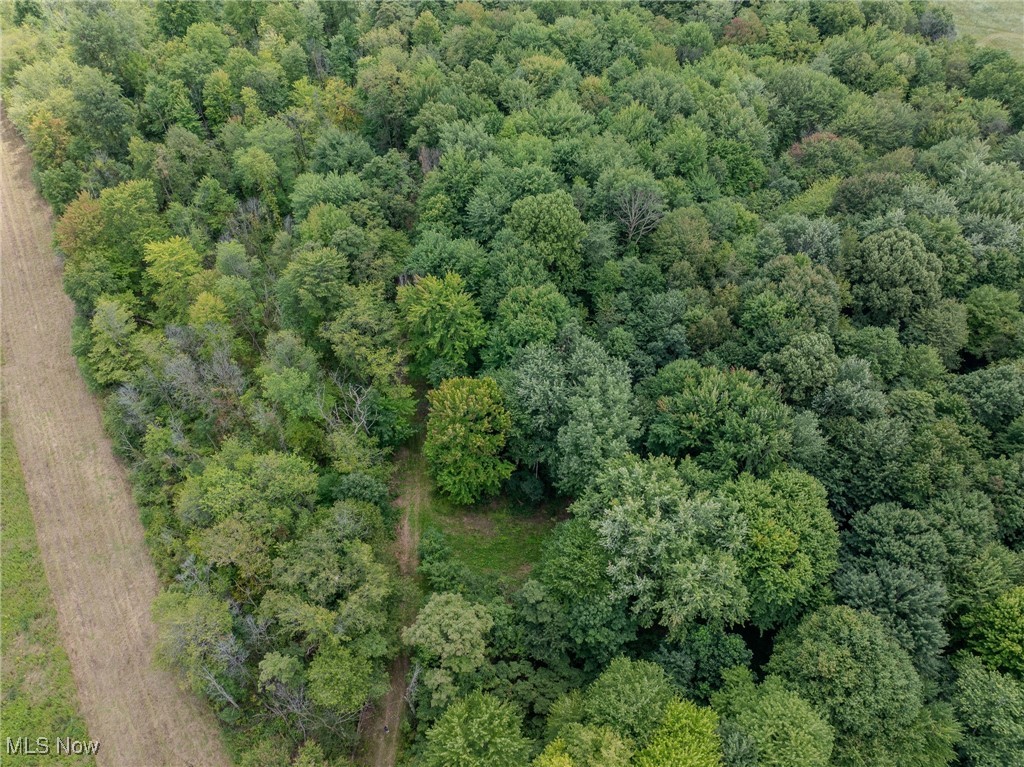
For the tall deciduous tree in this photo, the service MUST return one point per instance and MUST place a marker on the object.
(450, 638)
(728, 422)
(791, 546)
(600, 425)
(893, 276)
(443, 324)
(578, 745)
(780, 728)
(195, 639)
(466, 430)
(551, 225)
(477, 731)
(111, 358)
(687, 737)
(525, 316)
(846, 664)
(630, 697)
(673, 553)
(574, 570)
(991, 708)
(996, 631)
(170, 267)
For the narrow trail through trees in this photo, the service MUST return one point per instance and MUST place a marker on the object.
(380, 747)
(90, 536)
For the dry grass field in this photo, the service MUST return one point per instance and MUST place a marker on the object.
(38, 693)
(997, 23)
(88, 528)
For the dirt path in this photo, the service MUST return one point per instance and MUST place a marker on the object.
(380, 748)
(89, 532)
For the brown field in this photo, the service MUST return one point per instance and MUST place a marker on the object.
(88, 527)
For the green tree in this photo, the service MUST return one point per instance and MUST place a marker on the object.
(104, 241)
(174, 19)
(103, 115)
(893, 276)
(807, 100)
(783, 729)
(574, 571)
(364, 335)
(443, 325)
(195, 639)
(687, 737)
(600, 425)
(996, 631)
(681, 245)
(526, 315)
(728, 422)
(466, 430)
(792, 544)
(697, 664)
(803, 367)
(219, 97)
(167, 104)
(311, 754)
(854, 673)
(110, 37)
(258, 175)
(290, 377)
(312, 189)
(170, 267)
(1006, 489)
(477, 731)
(895, 563)
(903, 537)
(311, 288)
(833, 17)
(450, 638)
(536, 392)
(991, 707)
(426, 30)
(273, 490)
(578, 745)
(910, 604)
(111, 357)
(631, 697)
(942, 326)
(673, 553)
(995, 322)
(999, 77)
(995, 395)
(551, 225)
(384, 89)
(341, 680)
(683, 151)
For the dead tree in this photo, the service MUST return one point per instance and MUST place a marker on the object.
(638, 210)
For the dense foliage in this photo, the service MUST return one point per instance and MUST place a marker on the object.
(738, 284)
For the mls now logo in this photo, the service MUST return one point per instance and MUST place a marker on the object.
(42, 746)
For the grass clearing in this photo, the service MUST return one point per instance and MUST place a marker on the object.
(494, 539)
(996, 23)
(39, 698)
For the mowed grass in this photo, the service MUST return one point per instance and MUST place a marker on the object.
(494, 539)
(995, 23)
(37, 692)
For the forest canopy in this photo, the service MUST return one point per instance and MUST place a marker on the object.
(730, 291)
